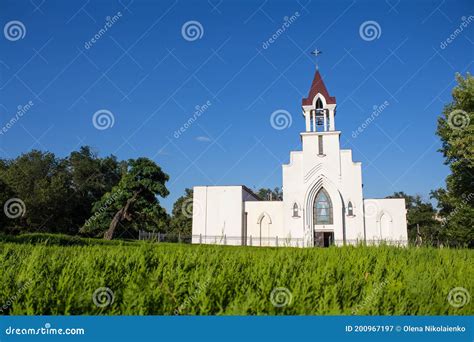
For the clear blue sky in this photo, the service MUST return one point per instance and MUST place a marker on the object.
(151, 79)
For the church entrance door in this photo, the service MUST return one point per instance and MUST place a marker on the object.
(323, 239)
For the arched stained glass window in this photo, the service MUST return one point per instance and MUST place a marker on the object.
(322, 209)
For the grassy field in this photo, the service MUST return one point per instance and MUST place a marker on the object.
(63, 275)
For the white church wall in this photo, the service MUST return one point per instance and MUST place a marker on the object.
(217, 214)
(264, 223)
(385, 220)
(293, 192)
(351, 188)
(323, 170)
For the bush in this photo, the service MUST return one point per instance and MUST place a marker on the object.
(167, 279)
(59, 240)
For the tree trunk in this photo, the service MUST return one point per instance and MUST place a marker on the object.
(121, 215)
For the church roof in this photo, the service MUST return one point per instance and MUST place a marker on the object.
(318, 87)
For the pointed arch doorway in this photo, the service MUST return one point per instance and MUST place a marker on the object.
(323, 216)
(264, 221)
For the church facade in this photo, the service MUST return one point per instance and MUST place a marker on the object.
(323, 202)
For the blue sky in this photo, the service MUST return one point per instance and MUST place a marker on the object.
(144, 72)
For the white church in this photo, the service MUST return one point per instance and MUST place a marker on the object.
(323, 202)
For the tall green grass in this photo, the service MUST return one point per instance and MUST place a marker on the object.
(168, 279)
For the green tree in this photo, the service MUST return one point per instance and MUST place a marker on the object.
(267, 194)
(182, 214)
(42, 182)
(132, 204)
(420, 215)
(456, 130)
(92, 177)
(6, 193)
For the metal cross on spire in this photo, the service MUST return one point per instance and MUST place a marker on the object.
(316, 53)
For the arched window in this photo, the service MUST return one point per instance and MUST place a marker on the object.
(295, 210)
(322, 209)
(319, 103)
(350, 209)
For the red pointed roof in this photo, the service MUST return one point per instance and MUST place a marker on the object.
(318, 87)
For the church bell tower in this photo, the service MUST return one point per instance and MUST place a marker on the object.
(319, 108)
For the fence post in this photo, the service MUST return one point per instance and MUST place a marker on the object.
(277, 241)
(200, 238)
(225, 239)
(250, 240)
(179, 237)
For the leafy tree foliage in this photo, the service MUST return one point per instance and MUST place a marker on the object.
(456, 130)
(420, 215)
(58, 193)
(132, 204)
(267, 194)
(42, 182)
(182, 219)
(91, 178)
